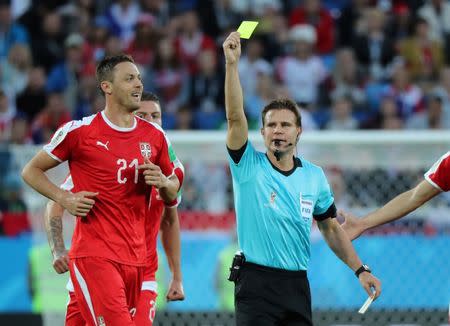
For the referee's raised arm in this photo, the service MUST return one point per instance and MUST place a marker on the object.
(234, 104)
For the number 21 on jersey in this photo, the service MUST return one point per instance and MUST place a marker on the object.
(123, 165)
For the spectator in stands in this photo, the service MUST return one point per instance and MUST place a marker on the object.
(47, 44)
(408, 96)
(313, 13)
(303, 72)
(34, 97)
(399, 25)
(113, 46)
(264, 93)
(373, 47)
(191, 41)
(386, 118)
(206, 86)
(14, 71)
(443, 89)
(432, 117)
(10, 31)
(122, 17)
(64, 77)
(143, 45)
(349, 21)
(20, 131)
(96, 39)
(423, 56)
(6, 117)
(218, 16)
(347, 78)
(437, 14)
(184, 118)
(159, 9)
(251, 64)
(168, 77)
(53, 116)
(341, 114)
(87, 95)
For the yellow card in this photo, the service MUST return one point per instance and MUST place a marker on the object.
(246, 29)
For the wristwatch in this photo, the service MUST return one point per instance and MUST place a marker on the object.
(363, 268)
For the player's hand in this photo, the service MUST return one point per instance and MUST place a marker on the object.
(175, 292)
(61, 261)
(370, 283)
(232, 48)
(153, 175)
(352, 225)
(80, 203)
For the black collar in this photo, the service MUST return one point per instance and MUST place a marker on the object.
(297, 164)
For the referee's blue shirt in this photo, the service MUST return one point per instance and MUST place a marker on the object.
(274, 209)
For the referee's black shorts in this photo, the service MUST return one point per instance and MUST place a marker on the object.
(270, 296)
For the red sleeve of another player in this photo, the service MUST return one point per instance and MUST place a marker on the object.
(164, 162)
(439, 174)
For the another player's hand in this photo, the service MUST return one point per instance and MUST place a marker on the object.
(153, 175)
(352, 225)
(61, 261)
(80, 203)
(232, 48)
(370, 283)
(175, 292)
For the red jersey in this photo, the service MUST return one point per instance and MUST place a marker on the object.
(153, 221)
(439, 174)
(104, 158)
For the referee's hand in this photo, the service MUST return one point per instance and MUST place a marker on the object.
(371, 284)
(232, 48)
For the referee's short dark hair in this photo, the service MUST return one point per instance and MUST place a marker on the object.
(149, 96)
(282, 104)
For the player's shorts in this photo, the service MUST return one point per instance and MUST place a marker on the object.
(107, 292)
(73, 313)
(146, 308)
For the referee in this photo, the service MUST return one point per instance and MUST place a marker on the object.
(276, 197)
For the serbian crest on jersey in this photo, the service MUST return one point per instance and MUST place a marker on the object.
(146, 150)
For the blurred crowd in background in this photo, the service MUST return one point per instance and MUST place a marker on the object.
(349, 64)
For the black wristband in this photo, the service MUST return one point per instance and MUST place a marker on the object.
(363, 268)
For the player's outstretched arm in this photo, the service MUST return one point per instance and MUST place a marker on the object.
(170, 238)
(54, 229)
(234, 103)
(341, 245)
(398, 207)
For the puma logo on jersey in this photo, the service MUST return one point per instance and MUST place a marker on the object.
(105, 145)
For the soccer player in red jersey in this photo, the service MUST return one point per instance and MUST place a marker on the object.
(162, 217)
(436, 180)
(115, 160)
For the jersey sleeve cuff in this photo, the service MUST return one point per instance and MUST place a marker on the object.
(236, 154)
(331, 212)
(431, 182)
(53, 156)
